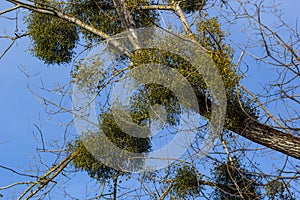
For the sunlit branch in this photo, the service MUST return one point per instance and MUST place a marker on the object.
(73, 20)
(174, 7)
(47, 177)
(9, 10)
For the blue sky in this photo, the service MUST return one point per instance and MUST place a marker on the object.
(20, 109)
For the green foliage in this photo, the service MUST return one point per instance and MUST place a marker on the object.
(230, 175)
(121, 139)
(186, 182)
(212, 38)
(190, 6)
(52, 39)
(277, 190)
(103, 16)
(153, 93)
(84, 160)
(210, 35)
(99, 14)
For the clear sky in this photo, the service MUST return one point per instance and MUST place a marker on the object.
(20, 109)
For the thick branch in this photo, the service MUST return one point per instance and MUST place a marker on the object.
(255, 131)
(265, 109)
(47, 177)
(124, 15)
(127, 21)
(182, 18)
(269, 137)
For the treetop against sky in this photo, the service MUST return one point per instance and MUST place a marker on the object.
(201, 98)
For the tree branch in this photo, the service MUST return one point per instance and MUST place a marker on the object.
(182, 18)
(44, 180)
(250, 128)
(73, 20)
(157, 7)
(9, 10)
(163, 196)
(176, 8)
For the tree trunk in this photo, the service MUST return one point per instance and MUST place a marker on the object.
(269, 137)
(254, 130)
